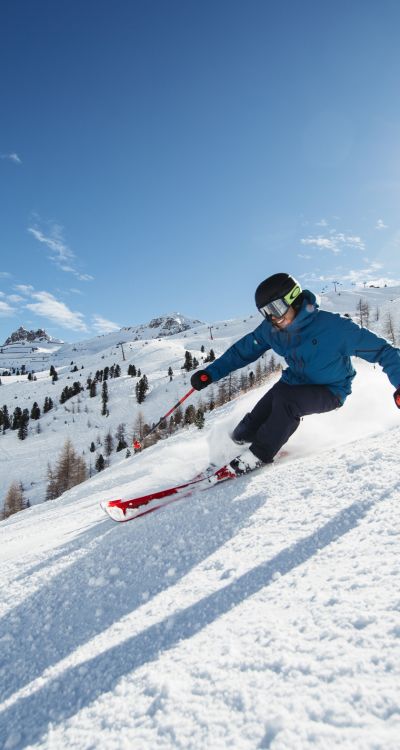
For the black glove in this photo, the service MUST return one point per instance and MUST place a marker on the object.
(201, 379)
(396, 397)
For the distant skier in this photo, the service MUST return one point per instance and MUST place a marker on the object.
(137, 447)
(317, 346)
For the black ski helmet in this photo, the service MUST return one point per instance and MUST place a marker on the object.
(279, 286)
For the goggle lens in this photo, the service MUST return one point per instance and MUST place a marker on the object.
(275, 309)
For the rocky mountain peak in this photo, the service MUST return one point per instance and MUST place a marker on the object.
(22, 334)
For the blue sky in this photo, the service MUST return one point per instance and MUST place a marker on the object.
(161, 155)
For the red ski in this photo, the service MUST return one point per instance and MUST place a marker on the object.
(127, 510)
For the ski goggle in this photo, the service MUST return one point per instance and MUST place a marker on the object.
(279, 307)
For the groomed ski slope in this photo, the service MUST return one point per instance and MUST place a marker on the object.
(264, 613)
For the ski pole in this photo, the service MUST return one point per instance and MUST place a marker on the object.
(178, 403)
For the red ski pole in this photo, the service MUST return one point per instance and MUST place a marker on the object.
(178, 403)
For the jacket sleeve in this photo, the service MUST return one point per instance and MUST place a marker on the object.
(361, 342)
(243, 352)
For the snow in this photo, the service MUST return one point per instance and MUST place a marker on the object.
(264, 613)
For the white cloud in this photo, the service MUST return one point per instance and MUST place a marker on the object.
(6, 310)
(60, 253)
(80, 276)
(26, 289)
(380, 225)
(47, 306)
(324, 242)
(321, 223)
(101, 325)
(11, 157)
(4, 275)
(335, 242)
(15, 298)
(350, 240)
(304, 257)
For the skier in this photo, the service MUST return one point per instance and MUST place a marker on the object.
(137, 447)
(317, 346)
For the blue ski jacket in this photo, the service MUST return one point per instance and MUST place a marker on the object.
(317, 347)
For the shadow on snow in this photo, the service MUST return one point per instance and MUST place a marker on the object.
(70, 692)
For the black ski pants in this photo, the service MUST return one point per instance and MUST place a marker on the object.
(277, 415)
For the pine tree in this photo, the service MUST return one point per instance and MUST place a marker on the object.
(222, 395)
(188, 364)
(70, 470)
(139, 426)
(104, 399)
(35, 411)
(258, 373)
(14, 501)
(23, 426)
(211, 400)
(141, 389)
(199, 419)
(120, 437)
(108, 444)
(178, 416)
(388, 329)
(100, 463)
(6, 419)
(17, 418)
(190, 415)
(51, 489)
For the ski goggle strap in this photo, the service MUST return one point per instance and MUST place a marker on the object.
(280, 306)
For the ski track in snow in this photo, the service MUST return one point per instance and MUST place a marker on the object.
(264, 613)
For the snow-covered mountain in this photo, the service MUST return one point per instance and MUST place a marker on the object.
(261, 614)
(152, 348)
(20, 349)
